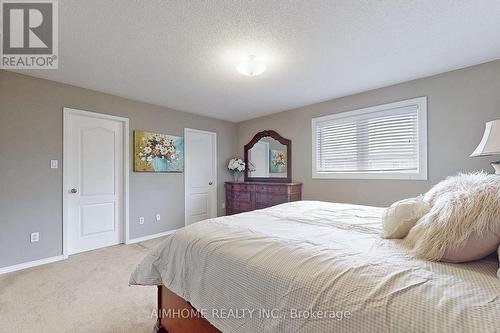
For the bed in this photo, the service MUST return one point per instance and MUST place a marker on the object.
(313, 267)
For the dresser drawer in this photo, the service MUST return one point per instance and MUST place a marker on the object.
(262, 206)
(241, 196)
(277, 199)
(242, 206)
(241, 187)
(270, 199)
(272, 189)
(244, 197)
(261, 198)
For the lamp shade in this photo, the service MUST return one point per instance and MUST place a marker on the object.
(490, 143)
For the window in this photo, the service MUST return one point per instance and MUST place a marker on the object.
(382, 142)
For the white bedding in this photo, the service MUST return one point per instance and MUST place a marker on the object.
(253, 272)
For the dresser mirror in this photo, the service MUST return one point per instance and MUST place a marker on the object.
(268, 157)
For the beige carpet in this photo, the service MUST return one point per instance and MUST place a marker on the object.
(89, 292)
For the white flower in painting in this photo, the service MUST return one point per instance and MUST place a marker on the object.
(157, 146)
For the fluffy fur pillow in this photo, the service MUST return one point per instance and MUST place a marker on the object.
(402, 216)
(474, 248)
(464, 219)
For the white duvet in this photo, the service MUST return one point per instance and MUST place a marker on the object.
(318, 267)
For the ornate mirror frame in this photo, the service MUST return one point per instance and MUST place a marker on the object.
(280, 139)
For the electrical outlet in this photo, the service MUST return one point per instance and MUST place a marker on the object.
(54, 164)
(141, 220)
(158, 217)
(34, 237)
(223, 205)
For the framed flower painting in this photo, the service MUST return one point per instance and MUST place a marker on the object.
(155, 152)
(277, 161)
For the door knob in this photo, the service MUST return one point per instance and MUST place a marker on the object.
(210, 183)
(73, 190)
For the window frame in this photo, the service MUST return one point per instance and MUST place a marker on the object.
(421, 174)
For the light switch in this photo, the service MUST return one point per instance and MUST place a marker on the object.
(54, 164)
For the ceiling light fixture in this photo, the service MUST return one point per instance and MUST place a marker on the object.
(251, 66)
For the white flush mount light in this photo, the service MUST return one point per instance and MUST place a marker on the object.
(251, 66)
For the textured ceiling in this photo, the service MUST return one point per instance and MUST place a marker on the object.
(182, 54)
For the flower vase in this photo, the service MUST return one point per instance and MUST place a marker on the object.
(236, 176)
(160, 164)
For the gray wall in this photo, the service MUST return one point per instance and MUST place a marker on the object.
(31, 135)
(459, 104)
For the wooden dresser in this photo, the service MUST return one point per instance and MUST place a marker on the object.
(246, 196)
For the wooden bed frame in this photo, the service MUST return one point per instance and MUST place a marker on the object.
(176, 315)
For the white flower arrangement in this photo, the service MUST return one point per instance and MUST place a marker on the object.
(236, 165)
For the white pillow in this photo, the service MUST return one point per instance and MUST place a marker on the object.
(464, 221)
(402, 216)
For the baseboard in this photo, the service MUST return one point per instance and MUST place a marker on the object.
(148, 237)
(29, 264)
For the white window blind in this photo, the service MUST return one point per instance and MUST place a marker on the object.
(386, 141)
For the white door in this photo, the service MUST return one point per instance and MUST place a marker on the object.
(200, 175)
(93, 180)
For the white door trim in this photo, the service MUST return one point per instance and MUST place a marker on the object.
(126, 168)
(186, 163)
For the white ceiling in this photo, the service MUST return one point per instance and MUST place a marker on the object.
(182, 54)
